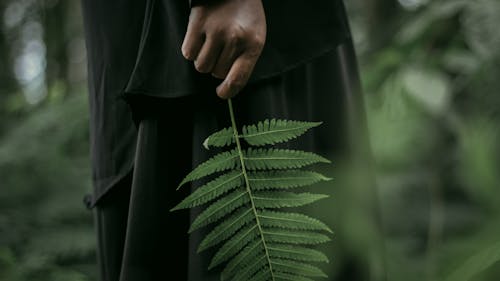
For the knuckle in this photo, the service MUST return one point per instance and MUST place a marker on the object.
(217, 32)
(234, 35)
(258, 40)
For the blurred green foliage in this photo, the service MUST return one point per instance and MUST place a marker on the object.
(45, 231)
(434, 113)
(430, 71)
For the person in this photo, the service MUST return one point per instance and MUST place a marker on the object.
(159, 72)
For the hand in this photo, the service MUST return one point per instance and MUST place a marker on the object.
(225, 38)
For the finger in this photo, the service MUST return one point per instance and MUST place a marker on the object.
(237, 77)
(224, 62)
(193, 41)
(208, 55)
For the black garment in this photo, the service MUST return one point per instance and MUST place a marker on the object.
(133, 48)
(139, 240)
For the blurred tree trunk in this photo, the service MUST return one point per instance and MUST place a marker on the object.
(56, 39)
(7, 78)
(383, 17)
(9, 83)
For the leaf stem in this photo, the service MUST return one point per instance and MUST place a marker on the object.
(249, 191)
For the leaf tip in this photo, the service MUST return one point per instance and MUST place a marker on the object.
(205, 143)
(316, 124)
(182, 183)
(191, 229)
(322, 196)
(212, 265)
(325, 160)
(322, 177)
(201, 248)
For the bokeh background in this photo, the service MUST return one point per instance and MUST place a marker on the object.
(431, 75)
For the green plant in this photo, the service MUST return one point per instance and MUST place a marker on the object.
(259, 243)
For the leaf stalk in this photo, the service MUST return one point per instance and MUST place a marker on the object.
(247, 184)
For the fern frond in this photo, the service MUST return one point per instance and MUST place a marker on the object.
(248, 271)
(294, 237)
(291, 267)
(243, 259)
(291, 221)
(226, 229)
(220, 208)
(280, 276)
(263, 159)
(273, 200)
(275, 131)
(212, 190)
(221, 138)
(220, 162)
(296, 253)
(262, 275)
(284, 179)
(236, 243)
(258, 242)
(264, 132)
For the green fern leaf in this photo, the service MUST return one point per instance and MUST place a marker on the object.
(227, 228)
(235, 244)
(296, 253)
(248, 271)
(259, 243)
(291, 267)
(273, 200)
(275, 131)
(265, 132)
(221, 138)
(220, 208)
(294, 237)
(280, 276)
(212, 190)
(284, 179)
(220, 162)
(291, 221)
(263, 159)
(243, 259)
(262, 275)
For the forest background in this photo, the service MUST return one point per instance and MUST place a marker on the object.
(431, 75)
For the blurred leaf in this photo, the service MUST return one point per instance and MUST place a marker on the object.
(481, 22)
(430, 88)
(476, 264)
(478, 160)
(461, 61)
(401, 135)
(418, 26)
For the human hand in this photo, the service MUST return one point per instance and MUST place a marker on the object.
(225, 38)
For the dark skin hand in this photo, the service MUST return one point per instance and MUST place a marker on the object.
(225, 38)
